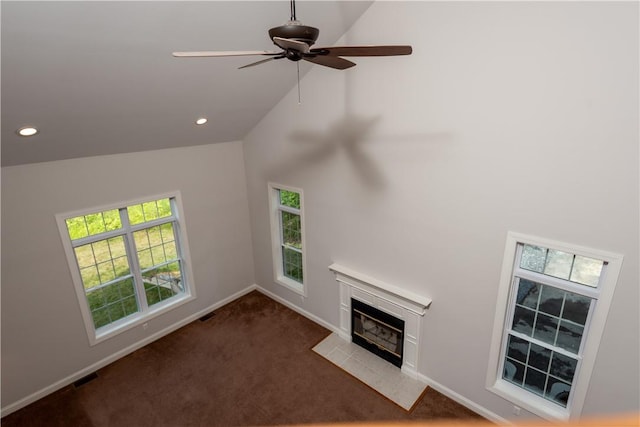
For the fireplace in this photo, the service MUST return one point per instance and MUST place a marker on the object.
(377, 331)
(389, 300)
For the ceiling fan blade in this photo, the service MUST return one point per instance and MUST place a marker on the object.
(291, 44)
(363, 50)
(261, 62)
(224, 53)
(330, 61)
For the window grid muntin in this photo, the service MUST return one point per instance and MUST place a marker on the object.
(109, 306)
(547, 372)
(288, 264)
(126, 231)
(292, 264)
(584, 290)
(538, 311)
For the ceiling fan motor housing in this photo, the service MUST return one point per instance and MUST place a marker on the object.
(302, 33)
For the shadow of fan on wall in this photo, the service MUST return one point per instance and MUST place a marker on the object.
(346, 135)
(350, 136)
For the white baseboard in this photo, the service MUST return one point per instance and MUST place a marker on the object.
(478, 409)
(12, 407)
(128, 350)
(298, 310)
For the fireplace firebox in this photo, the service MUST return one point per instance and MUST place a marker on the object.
(377, 331)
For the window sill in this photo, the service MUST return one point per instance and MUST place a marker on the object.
(292, 285)
(137, 319)
(529, 401)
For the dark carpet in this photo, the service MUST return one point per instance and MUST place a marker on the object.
(250, 364)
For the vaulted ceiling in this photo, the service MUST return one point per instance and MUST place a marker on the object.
(98, 78)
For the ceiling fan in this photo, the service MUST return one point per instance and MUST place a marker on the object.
(296, 40)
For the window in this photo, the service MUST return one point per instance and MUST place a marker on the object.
(552, 306)
(127, 262)
(287, 236)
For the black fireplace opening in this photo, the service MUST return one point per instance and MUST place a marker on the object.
(377, 331)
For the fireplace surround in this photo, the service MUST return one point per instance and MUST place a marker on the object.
(389, 299)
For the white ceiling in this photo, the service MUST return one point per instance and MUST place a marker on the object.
(98, 77)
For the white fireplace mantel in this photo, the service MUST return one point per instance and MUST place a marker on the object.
(406, 299)
(398, 302)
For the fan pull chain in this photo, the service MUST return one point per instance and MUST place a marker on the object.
(298, 64)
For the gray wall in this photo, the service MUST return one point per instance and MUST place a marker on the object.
(43, 335)
(508, 116)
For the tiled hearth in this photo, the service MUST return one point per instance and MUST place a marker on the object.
(389, 309)
(377, 373)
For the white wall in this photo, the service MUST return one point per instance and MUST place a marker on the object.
(508, 116)
(43, 335)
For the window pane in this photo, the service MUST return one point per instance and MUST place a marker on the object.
(533, 258)
(563, 367)
(558, 264)
(291, 230)
(157, 254)
(77, 227)
(551, 300)
(95, 223)
(155, 238)
(289, 198)
(586, 271)
(513, 371)
(112, 220)
(528, 293)
(106, 271)
(534, 381)
(523, 320)
(121, 266)
(570, 336)
(101, 251)
(141, 238)
(167, 232)
(135, 213)
(116, 247)
(557, 391)
(112, 302)
(90, 277)
(171, 251)
(539, 357)
(162, 283)
(518, 349)
(101, 317)
(292, 264)
(164, 208)
(150, 210)
(546, 328)
(576, 308)
(144, 259)
(84, 256)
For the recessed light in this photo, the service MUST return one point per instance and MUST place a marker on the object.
(27, 131)
(201, 121)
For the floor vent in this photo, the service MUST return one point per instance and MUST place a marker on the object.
(82, 381)
(207, 316)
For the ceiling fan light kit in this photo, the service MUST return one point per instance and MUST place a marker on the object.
(296, 40)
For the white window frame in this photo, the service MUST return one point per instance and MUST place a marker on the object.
(146, 313)
(275, 209)
(602, 295)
